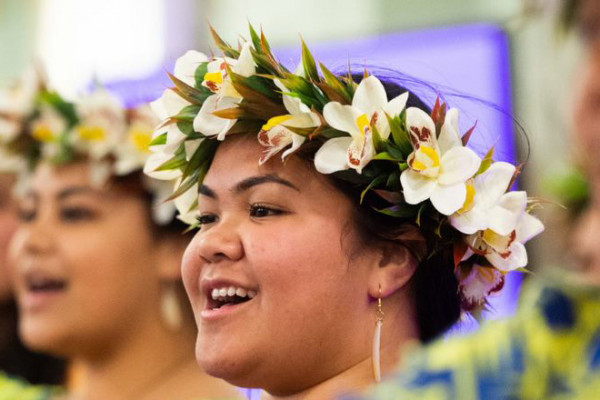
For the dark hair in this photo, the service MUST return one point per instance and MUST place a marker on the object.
(134, 183)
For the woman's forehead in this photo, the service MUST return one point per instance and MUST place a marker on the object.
(237, 159)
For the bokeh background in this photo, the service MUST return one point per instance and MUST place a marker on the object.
(509, 54)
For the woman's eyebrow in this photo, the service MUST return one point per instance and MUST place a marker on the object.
(206, 191)
(249, 183)
(262, 179)
(71, 191)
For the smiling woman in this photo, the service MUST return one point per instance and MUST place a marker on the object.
(96, 260)
(377, 230)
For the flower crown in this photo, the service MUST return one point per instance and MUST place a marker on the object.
(37, 124)
(417, 162)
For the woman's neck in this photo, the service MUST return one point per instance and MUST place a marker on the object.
(399, 334)
(153, 364)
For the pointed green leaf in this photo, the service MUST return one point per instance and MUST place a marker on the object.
(159, 140)
(398, 211)
(487, 161)
(199, 74)
(308, 62)
(377, 181)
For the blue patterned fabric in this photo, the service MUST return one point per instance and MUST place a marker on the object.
(549, 350)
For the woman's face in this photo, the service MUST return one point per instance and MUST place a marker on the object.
(8, 224)
(280, 236)
(84, 269)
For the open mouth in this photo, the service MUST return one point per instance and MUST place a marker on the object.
(41, 283)
(228, 296)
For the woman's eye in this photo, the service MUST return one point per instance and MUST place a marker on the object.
(206, 219)
(261, 211)
(26, 215)
(75, 214)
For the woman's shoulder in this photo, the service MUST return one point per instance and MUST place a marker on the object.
(15, 389)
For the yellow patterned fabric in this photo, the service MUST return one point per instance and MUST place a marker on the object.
(549, 350)
(14, 389)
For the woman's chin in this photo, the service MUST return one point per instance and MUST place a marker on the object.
(230, 366)
(42, 340)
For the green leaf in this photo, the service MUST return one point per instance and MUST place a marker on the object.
(421, 209)
(330, 133)
(160, 139)
(380, 179)
(255, 38)
(64, 108)
(398, 211)
(394, 151)
(487, 162)
(199, 74)
(400, 134)
(385, 156)
(263, 86)
(378, 142)
(205, 151)
(187, 113)
(176, 162)
(308, 62)
(186, 127)
(393, 181)
(190, 93)
(224, 46)
(335, 85)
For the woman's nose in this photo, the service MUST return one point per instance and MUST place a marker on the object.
(219, 242)
(35, 237)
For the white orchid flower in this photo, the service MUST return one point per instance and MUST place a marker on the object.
(369, 108)
(168, 105)
(101, 124)
(438, 167)
(488, 205)
(506, 252)
(134, 150)
(186, 65)
(275, 135)
(478, 284)
(225, 96)
(16, 103)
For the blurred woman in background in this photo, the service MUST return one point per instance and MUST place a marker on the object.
(96, 258)
(15, 359)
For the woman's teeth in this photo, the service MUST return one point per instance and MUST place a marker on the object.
(227, 293)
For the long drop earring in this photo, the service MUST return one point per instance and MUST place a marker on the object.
(171, 309)
(377, 340)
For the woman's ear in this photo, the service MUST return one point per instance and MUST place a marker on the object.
(395, 268)
(169, 252)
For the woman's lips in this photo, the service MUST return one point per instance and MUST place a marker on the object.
(40, 289)
(222, 298)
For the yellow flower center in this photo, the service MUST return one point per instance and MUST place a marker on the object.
(215, 77)
(426, 157)
(273, 122)
(141, 138)
(92, 133)
(470, 200)
(43, 133)
(363, 124)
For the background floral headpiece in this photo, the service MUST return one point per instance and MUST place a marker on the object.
(417, 162)
(37, 124)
